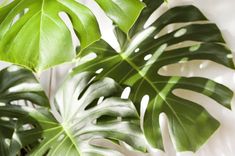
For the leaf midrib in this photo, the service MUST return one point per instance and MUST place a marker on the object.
(41, 23)
(63, 130)
(67, 131)
(157, 91)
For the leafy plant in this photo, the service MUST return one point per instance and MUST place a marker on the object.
(74, 129)
(17, 120)
(34, 35)
(143, 54)
(88, 106)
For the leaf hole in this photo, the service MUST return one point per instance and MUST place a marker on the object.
(26, 127)
(180, 32)
(137, 50)
(99, 71)
(101, 99)
(19, 15)
(126, 92)
(147, 57)
(15, 119)
(92, 79)
(143, 106)
(230, 56)
(155, 37)
(155, 15)
(67, 21)
(2, 104)
(5, 118)
(15, 19)
(26, 10)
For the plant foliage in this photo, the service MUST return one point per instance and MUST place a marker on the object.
(17, 121)
(88, 106)
(33, 32)
(148, 48)
(79, 119)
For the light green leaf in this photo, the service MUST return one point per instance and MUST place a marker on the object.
(33, 34)
(124, 13)
(141, 58)
(77, 121)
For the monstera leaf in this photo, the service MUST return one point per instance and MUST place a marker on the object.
(33, 34)
(81, 112)
(17, 120)
(82, 116)
(146, 50)
(123, 12)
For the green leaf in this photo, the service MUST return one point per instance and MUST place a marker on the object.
(15, 119)
(124, 13)
(33, 34)
(141, 58)
(77, 121)
(76, 102)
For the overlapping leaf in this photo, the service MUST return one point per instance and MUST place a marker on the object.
(33, 33)
(147, 51)
(17, 120)
(77, 104)
(79, 121)
(124, 13)
(39, 38)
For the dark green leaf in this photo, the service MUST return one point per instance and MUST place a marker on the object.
(16, 119)
(141, 58)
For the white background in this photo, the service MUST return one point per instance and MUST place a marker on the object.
(222, 143)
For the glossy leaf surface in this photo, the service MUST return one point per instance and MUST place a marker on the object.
(37, 33)
(33, 34)
(17, 120)
(76, 102)
(151, 48)
(80, 118)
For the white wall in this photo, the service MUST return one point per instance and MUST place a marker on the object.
(222, 143)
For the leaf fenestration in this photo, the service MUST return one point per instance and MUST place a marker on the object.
(79, 121)
(17, 87)
(147, 51)
(36, 34)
